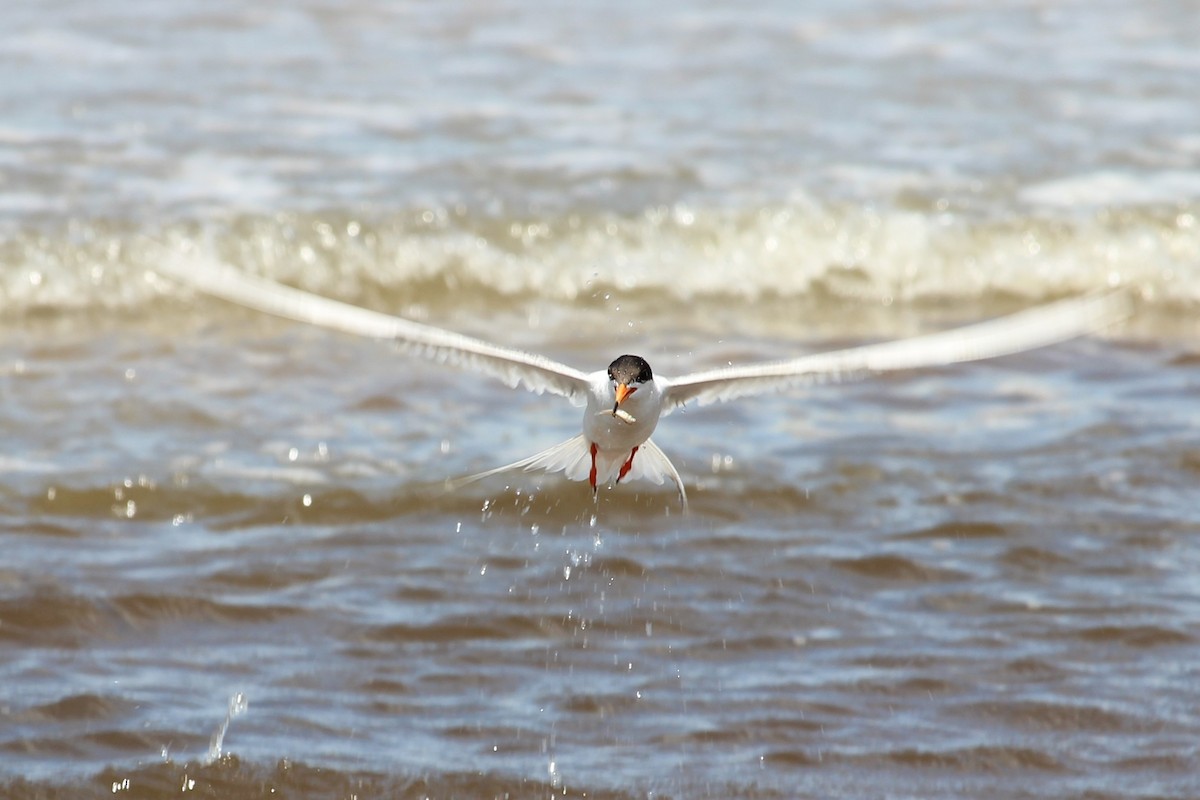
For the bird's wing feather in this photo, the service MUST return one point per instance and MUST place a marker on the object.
(513, 367)
(1026, 330)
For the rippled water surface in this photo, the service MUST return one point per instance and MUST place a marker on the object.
(230, 565)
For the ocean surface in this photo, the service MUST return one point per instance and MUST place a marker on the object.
(229, 565)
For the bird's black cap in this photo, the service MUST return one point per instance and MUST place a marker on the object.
(629, 369)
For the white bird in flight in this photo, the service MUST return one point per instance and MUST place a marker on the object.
(625, 401)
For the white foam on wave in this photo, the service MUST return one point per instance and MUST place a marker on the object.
(799, 250)
(1110, 188)
(803, 249)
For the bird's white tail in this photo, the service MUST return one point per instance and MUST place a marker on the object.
(573, 458)
(652, 464)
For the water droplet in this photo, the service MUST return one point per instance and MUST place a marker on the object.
(307, 500)
(237, 706)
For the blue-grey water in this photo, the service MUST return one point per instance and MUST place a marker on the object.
(228, 563)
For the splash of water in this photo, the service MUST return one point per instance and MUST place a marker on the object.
(237, 706)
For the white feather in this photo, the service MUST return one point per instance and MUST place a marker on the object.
(572, 458)
(651, 464)
(513, 367)
(1026, 330)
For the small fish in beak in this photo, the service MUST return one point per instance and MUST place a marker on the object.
(620, 414)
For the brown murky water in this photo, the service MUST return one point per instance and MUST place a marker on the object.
(229, 567)
(970, 581)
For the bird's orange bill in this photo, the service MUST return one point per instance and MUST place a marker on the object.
(623, 391)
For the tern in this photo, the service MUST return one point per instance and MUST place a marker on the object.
(624, 402)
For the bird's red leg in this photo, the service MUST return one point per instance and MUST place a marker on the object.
(592, 474)
(628, 465)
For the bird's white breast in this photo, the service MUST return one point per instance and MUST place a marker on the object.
(614, 433)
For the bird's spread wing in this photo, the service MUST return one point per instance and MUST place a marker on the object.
(1026, 330)
(513, 367)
